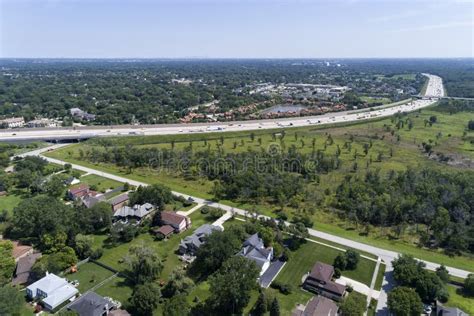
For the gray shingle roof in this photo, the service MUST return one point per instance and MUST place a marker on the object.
(198, 237)
(90, 304)
(254, 249)
(135, 211)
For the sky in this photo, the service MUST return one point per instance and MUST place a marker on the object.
(236, 28)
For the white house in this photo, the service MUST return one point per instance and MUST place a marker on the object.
(51, 290)
(254, 249)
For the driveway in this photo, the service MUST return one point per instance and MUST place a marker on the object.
(267, 278)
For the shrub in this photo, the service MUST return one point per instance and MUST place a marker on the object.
(96, 254)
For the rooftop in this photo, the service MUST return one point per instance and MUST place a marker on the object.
(90, 304)
(172, 217)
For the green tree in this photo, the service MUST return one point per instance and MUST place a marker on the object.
(155, 194)
(83, 245)
(353, 305)
(404, 301)
(340, 262)
(442, 273)
(176, 306)
(275, 308)
(7, 262)
(469, 285)
(178, 283)
(95, 218)
(352, 259)
(145, 298)
(41, 215)
(231, 285)
(261, 305)
(219, 247)
(54, 186)
(11, 301)
(143, 263)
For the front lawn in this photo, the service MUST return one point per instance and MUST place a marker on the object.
(102, 184)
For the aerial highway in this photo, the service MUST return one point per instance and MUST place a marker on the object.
(434, 90)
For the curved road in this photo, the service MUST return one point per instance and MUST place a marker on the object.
(434, 90)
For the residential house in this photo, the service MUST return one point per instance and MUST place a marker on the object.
(78, 192)
(90, 200)
(71, 181)
(119, 201)
(320, 281)
(178, 222)
(91, 304)
(77, 112)
(254, 249)
(449, 311)
(23, 268)
(43, 122)
(20, 250)
(166, 231)
(317, 306)
(51, 290)
(191, 244)
(13, 122)
(137, 212)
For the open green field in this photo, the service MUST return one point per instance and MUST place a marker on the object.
(460, 301)
(102, 184)
(89, 275)
(399, 149)
(372, 100)
(9, 202)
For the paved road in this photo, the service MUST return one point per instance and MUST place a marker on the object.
(433, 91)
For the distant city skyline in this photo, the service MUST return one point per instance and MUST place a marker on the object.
(236, 29)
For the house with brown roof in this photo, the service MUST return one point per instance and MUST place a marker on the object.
(119, 201)
(178, 222)
(78, 192)
(20, 250)
(166, 231)
(317, 306)
(320, 281)
(23, 268)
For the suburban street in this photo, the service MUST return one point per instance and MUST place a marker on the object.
(433, 91)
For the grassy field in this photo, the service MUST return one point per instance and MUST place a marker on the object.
(102, 184)
(371, 100)
(9, 202)
(379, 280)
(448, 137)
(460, 301)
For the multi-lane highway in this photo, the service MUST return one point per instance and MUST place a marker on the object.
(434, 90)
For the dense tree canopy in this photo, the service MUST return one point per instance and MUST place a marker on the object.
(404, 301)
(230, 286)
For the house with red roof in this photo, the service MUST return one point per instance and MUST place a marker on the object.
(178, 222)
(78, 192)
